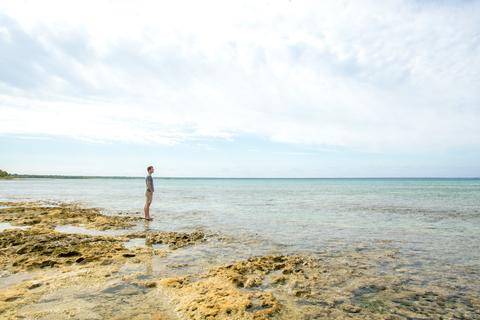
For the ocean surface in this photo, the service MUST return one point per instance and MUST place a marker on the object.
(434, 221)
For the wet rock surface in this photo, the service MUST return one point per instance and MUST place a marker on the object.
(343, 286)
(51, 214)
(48, 274)
(55, 275)
(39, 248)
(77, 293)
(173, 239)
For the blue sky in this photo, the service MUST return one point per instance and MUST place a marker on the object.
(213, 88)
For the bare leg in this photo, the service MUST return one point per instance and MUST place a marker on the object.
(146, 210)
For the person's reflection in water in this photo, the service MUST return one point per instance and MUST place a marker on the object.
(146, 226)
(148, 263)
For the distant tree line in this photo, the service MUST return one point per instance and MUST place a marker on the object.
(4, 174)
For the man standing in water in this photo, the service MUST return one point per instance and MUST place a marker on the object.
(148, 193)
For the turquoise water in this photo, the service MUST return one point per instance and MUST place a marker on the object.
(432, 219)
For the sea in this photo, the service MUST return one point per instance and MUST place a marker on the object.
(435, 222)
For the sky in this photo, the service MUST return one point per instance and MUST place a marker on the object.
(241, 88)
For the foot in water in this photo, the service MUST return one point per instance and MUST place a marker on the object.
(149, 219)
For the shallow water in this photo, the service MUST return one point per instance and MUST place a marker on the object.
(92, 232)
(7, 279)
(433, 220)
(6, 225)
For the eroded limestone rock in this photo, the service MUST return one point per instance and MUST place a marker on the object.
(173, 239)
(342, 286)
(49, 215)
(38, 248)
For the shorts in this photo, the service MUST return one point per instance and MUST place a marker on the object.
(148, 197)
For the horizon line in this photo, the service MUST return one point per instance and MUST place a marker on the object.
(213, 177)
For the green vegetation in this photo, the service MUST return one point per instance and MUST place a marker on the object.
(375, 306)
(5, 175)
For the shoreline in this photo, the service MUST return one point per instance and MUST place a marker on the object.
(47, 273)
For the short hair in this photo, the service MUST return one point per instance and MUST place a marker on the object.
(149, 168)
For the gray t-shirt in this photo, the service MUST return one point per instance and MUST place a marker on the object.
(149, 183)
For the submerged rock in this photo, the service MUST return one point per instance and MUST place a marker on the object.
(41, 248)
(84, 276)
(342, 286)
(173, 239)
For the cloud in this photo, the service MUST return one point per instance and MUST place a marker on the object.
(358, 74)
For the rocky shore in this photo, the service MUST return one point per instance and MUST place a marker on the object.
(47, 274)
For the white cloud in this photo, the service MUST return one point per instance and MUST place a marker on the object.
(361, 74)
